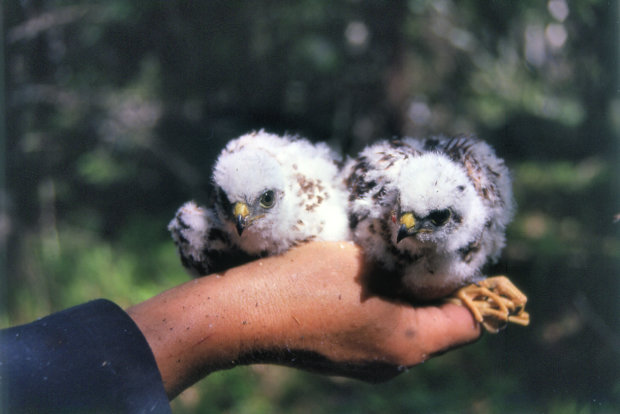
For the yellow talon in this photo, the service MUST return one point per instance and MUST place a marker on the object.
(494, 302)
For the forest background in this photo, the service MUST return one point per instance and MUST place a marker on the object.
(113, 111)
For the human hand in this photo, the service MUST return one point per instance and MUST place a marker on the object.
(307, 308)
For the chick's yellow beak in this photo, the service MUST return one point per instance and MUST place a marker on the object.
(241, 213)
(407, 220)
(407, 226)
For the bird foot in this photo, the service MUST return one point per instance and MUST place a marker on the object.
(494, 302)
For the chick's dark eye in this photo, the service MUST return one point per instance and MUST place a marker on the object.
(268, 199)
(439, 217)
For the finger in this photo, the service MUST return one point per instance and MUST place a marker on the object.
(445, 327)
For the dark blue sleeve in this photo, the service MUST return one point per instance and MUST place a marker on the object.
(91, 358)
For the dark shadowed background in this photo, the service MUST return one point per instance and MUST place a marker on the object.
(115, 110)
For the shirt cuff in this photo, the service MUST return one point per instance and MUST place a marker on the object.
(89, 358)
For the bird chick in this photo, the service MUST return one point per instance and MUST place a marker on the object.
(271, 193)
(432, 211)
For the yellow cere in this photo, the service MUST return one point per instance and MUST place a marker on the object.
(408, 220)
(241, 209)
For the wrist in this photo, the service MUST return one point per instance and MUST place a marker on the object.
(216, 322)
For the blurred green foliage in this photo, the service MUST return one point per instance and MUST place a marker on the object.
(115, 111)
